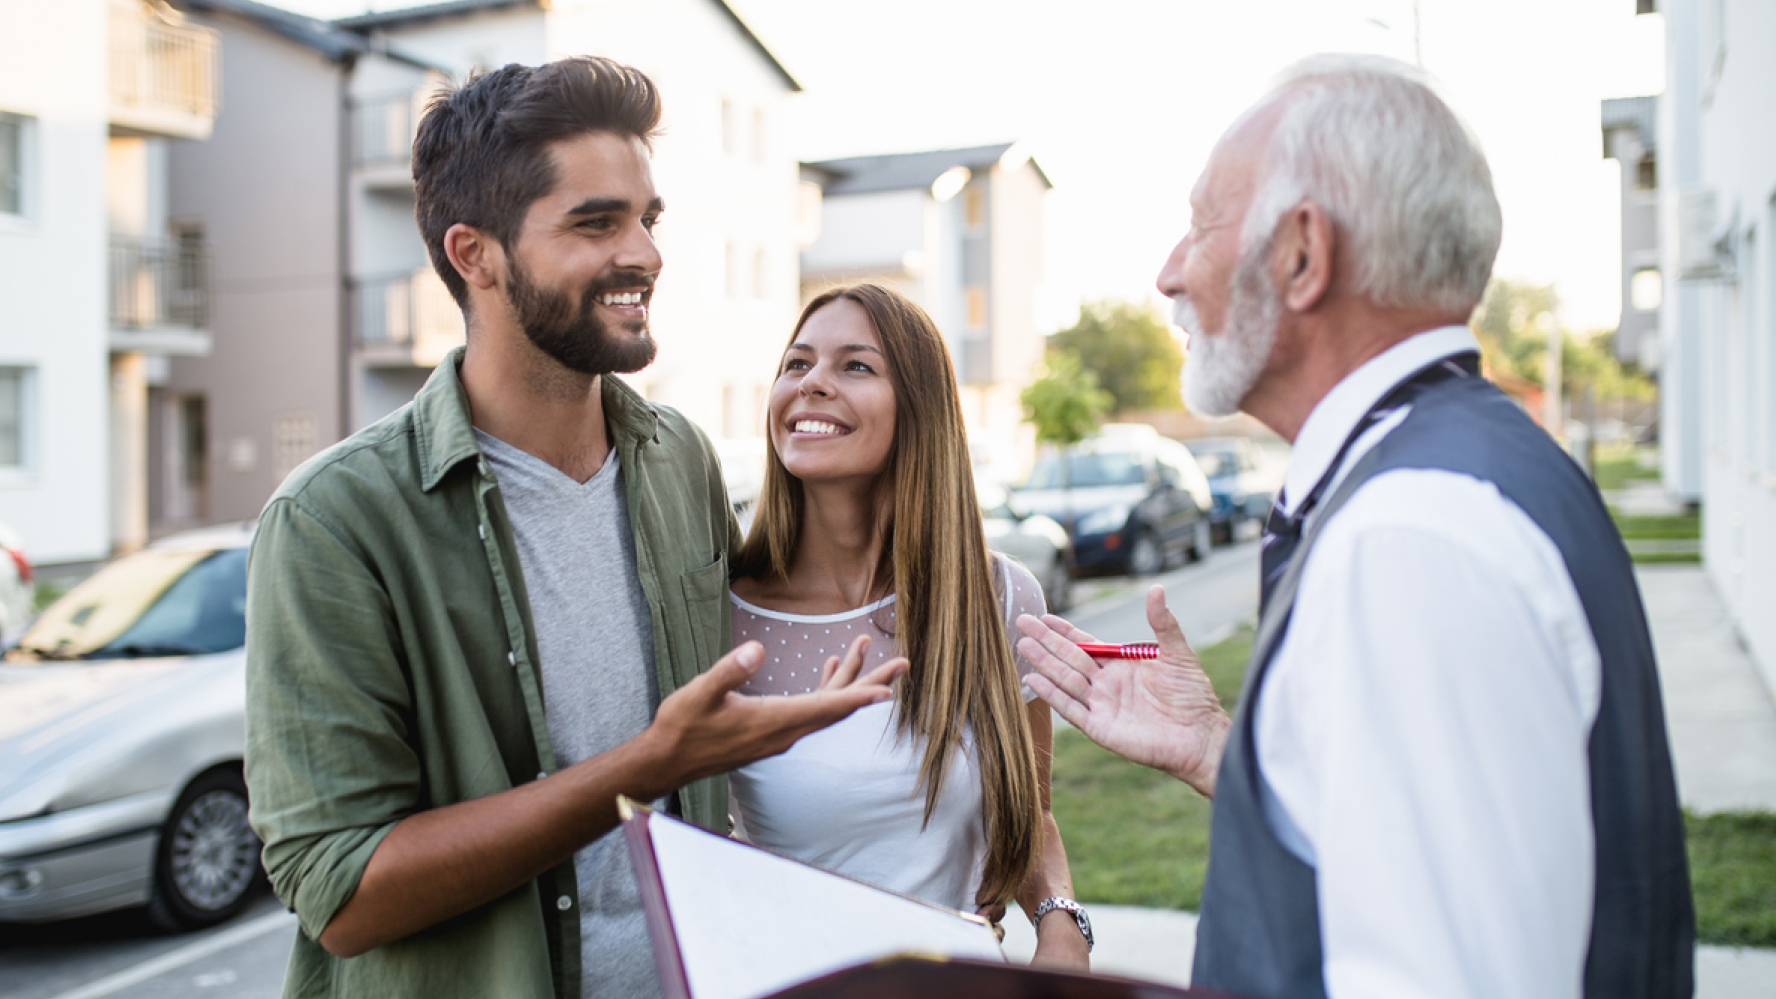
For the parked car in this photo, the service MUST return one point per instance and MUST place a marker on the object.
(1243, 489)
(1131, 500)
(18, 583)
(121, 730)
(1037, 542)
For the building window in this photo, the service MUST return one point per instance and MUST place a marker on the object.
(735, 283)
(758, 135)
(976, 302)
(761, 273)
(1646, 173)
(730, 126)
(294, 440)
(16, 385)
(14, 134)
(1646, 290)
(974, 207)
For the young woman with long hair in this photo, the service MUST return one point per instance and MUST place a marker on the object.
(868, 528)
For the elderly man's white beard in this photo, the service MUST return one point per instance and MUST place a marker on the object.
(1222, 368)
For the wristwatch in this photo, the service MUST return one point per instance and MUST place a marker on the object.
(1057, 902)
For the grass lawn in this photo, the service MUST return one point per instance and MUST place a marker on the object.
(1659, 530)
(46, 594)
(1733, 876)
(1615, 469)
(1137, 837)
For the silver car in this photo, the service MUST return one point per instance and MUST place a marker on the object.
(1034, 540)
(121, 730)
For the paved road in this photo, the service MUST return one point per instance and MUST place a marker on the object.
(1210, 599)
(121, 955)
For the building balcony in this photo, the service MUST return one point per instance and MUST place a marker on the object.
(160, 296)
(382, 139)
(405, 319)
(165, 75)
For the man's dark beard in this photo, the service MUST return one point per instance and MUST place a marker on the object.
(577, 338)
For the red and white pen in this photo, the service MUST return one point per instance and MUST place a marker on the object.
(1132, 650)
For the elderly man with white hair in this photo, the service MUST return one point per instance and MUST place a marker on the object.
(1448, 773)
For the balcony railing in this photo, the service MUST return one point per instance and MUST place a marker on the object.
(382, 130)
(159, 285)
(411, 312)
(165, 76)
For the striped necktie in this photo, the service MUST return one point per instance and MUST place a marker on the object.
(1282, 531)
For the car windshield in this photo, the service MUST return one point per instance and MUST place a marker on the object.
(1083, 470)
(1217, 463)
(153, 603)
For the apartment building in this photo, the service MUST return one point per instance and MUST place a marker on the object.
(269, 192)
(960, 232)
(327, 313)
(1717, 197)
(102, 286)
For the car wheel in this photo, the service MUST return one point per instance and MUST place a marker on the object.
(207, 860)
(1201, 541)
(1145, 555)
(1059, 591)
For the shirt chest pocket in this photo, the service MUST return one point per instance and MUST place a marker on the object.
(706, 605)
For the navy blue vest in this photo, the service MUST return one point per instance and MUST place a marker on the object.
(1259, 935)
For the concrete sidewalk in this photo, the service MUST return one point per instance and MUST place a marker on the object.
(1722, 723)
(1721, 717)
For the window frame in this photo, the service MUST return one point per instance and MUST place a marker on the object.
(26, 421)
(27, 177)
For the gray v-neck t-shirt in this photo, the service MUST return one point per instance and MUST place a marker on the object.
(596, 642)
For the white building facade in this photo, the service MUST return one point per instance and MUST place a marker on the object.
(1718, 227)
(100, 286)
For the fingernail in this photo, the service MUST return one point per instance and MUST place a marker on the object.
(751, 654)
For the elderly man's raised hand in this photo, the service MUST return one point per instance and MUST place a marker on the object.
(707, 727)
(1161, 713)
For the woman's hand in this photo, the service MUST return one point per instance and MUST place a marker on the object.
(840, 673)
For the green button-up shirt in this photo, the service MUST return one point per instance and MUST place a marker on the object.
(392, 668)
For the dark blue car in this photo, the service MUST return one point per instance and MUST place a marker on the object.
(1240, 487)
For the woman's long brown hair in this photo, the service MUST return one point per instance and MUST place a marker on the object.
(934, 560)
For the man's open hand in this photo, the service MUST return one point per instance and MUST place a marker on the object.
(706, 727)
(1161, 713)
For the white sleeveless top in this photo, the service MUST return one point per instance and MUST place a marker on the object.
(846, 798)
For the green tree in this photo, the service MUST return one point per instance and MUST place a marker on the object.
(1513, 323)
(1065, 405)
(1130, 349)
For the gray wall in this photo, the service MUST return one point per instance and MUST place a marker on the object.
(266, 189)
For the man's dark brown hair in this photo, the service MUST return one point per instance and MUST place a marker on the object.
(481, 156)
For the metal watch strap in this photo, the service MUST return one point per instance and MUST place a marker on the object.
(1054, 902)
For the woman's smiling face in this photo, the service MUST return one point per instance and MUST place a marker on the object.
(832, 406)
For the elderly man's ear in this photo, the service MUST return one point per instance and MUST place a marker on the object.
(1304, 255)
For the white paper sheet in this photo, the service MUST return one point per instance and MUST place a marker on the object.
(750, 923)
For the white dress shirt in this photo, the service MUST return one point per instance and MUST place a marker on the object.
(1422, 733)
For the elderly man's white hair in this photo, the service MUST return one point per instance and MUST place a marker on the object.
(1402, 178)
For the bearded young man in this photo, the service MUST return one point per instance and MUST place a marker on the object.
(474, 624)
(1447, 774)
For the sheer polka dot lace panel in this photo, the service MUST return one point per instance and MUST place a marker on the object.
(798, 645)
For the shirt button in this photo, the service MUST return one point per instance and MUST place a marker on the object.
(564, 903)
(512, 658)
(541, 774)
(482, 465)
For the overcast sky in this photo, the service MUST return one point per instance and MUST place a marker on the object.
(1121, 100)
